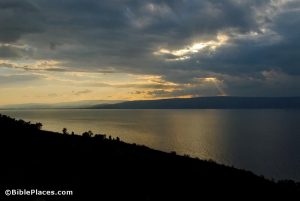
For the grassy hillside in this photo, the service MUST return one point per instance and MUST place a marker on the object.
(97, 167)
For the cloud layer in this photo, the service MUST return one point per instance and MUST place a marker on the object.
(248, 47)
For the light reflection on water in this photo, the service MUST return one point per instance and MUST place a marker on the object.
(264, 141)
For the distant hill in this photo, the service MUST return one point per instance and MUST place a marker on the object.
(220, 102)
(62, 105)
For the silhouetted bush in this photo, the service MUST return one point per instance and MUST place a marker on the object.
(88, 134)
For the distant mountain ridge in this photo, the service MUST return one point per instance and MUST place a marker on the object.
(62, 105)
(217, 102)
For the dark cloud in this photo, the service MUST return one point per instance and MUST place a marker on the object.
(8, 52)
(18, 17)
(13, 51)
(122, 36)
(278, 50)
(40, 67)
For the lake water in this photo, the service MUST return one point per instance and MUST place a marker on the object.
(266, 142)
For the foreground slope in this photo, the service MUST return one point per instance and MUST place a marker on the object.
(99, 168)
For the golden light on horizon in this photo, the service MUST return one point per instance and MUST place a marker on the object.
(36, 85)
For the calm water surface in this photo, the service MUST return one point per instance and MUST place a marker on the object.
(266, 142)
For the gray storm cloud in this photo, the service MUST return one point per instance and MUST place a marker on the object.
(158, 37)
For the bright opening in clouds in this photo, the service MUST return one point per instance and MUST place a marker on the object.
(55, 51)
(184, 53)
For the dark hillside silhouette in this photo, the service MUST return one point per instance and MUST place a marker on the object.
(97, 167)
(218, 102)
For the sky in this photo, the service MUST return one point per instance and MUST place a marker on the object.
(71, 50)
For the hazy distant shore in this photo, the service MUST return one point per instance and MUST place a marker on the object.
(213, 102)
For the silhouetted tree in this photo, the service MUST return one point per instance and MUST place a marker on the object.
(39, 125)
(65, 131)
(88, 134)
